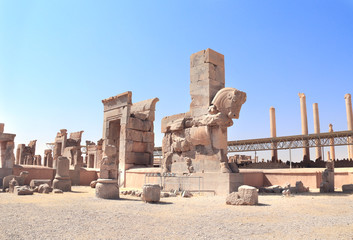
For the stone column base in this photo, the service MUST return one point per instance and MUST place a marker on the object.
(107, 189)
(62, 184)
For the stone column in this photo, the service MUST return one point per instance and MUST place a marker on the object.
(304, 118)
(62, 179)
(328, 156)
(332, 142)
(206, 79)
(317, 129)
(273, 133)
(348, 99)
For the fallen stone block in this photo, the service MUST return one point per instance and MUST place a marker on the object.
(348, 188)
(37, 182)
(151, 193)
(23, 190)
(44, 188)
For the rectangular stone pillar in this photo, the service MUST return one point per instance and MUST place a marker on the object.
(206, 79)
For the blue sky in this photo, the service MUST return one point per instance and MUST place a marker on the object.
(59, 59)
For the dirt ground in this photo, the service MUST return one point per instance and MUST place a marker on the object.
(79, 215)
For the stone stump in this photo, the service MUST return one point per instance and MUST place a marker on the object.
(12, 184)
(151, 193)
(62, 179)
(246, 195)
(107, 189)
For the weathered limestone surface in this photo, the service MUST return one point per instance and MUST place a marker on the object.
(151, 193)
(196, 141)
(62, 179)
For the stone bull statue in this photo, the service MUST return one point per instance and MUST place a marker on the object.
(197, 144)
(20, 179)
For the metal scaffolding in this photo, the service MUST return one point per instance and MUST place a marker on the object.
(288, 142)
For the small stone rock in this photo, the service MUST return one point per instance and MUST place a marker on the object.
(165, 194)
(93, 184)
(286, 193)
(186, 194)
(44, 188)
(300, 187)
(57, 191)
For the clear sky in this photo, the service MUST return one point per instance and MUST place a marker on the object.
(59, 59)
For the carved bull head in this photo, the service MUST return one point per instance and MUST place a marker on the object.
(228, 101)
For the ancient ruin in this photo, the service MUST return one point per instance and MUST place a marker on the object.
(25, 154)
(196, 141)
(19, 179)
(7, 157)
(68, 147)
(48, 158)
(328, 178)
(128, 131)
(62, 179)
(94, 153)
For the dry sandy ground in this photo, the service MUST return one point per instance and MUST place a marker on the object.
(79, 215)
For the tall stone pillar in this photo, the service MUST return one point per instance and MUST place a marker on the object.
(273, 133)
(332, 146)
(206, 79)
(317, 129)
(348, 99)
(304, 118)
